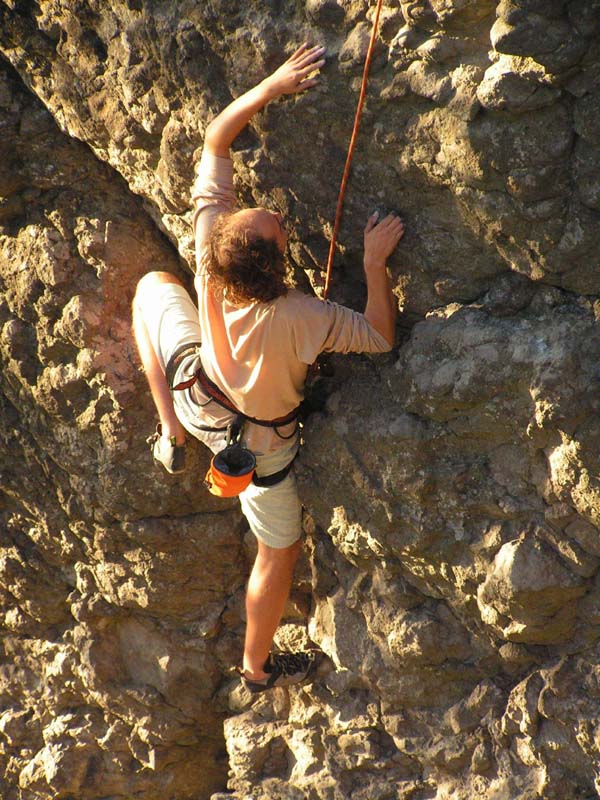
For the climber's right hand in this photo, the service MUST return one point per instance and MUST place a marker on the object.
(381, 239)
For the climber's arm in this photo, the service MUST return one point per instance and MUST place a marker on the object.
(380, 241)
(289, 78)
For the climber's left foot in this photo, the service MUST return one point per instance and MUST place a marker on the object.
(167, 452)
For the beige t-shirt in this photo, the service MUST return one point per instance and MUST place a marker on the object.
(259, 353)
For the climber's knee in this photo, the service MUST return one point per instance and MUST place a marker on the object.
(151, 280)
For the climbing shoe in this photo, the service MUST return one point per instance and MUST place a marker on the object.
(283, 669)
(167, 452)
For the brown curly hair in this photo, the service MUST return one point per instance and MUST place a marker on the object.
(244, 266)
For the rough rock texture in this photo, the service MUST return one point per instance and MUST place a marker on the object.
(452, 488)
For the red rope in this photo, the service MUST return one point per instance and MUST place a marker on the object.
(361, 100)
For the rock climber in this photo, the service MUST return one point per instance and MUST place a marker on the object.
(251, 340)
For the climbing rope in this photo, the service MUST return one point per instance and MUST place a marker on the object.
(361, 100)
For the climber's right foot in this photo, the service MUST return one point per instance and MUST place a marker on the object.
(282, 669)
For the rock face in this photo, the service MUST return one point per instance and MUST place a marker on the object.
(452, 488)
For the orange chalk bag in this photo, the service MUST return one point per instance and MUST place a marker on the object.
(232, 469)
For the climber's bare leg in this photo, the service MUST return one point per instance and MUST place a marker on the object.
(143, 304)
(268, 590)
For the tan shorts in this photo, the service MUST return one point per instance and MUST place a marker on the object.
(274, 513)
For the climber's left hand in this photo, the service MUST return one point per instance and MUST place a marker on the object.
(293, 75)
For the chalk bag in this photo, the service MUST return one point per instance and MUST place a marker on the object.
(232, 469)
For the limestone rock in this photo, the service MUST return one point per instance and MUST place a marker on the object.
(532, 591)
(117, 697)
(450, 573)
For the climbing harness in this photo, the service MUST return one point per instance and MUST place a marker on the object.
(346, 173)
(233, 468)
(216, 394)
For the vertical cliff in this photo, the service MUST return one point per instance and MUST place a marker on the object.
(452, 488)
